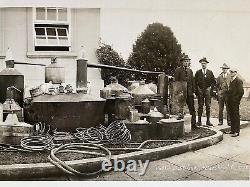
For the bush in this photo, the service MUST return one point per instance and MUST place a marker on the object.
(108, 56)
(156, 49)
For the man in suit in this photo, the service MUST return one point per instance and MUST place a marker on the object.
(184, 73)
(222, 85)
(235, 94)
(204, 85)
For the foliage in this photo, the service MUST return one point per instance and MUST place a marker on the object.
(108, 56)
(156, 49)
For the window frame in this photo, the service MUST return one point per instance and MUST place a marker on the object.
(52, 22)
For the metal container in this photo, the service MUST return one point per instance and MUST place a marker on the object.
(122, 105)
(54, 73)
(11, 77)
(171, 128)
(139, 131)
(105, 92)
(117, 89)
(11, 107)
(66, 112)
(133, 84)
(145, 106)
(142, 92)
(13, 133)
(133, 115)
(155, 116)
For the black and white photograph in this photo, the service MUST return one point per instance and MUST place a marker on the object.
(125, 90)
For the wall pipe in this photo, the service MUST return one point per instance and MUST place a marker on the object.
(103, 66)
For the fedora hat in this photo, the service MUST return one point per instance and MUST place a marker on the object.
(224, 66)
(185, 57)
(203, 60)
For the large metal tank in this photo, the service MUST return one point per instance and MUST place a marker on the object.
(66, 112)
(54, 73)
(11, 77)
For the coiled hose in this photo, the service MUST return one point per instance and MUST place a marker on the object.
(74, 148)
(115, 133)
(37, 143)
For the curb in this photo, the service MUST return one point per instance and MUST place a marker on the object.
(43, 170)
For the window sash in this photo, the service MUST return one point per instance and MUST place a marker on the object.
(58, 12)
(50, 39)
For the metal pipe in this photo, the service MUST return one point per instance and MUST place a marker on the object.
(81, 76)
(103, 66)
(32, 64)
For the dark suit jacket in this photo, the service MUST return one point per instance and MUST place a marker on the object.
(235, 91)
(203, 82)
(186, 75)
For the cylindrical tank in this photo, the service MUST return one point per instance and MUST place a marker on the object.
(122, 105)
(145, 106)
(171, 128)
(54, 73)
(66, 112)
(11, 77)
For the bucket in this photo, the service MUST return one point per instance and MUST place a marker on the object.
(171, 128)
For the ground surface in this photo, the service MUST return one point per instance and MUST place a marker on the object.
(7, 158)
(227, 160)
(244, 109)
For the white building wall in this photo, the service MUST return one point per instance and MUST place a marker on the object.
(16, 33)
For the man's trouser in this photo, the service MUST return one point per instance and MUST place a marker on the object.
(234, 114)
(223, 100)
(204, 96)
(191, 108)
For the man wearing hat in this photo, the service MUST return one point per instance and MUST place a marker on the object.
(184, 73)
(222, 84)
(235, 94)
(204, 85)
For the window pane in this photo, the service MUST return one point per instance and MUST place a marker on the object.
(61, 32)
(40, 13)
(52, 41)
(63, 41)
(40, 31)
(40, 40)
(62, 14)
(51, 31)
(51, 14)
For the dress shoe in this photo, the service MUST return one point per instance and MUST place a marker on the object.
(220, 123)
(235, 134)
(230, 132)
(209, 124)
(198, 123)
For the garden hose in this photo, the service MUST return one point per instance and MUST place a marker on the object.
(72, 148)
(37, 143)
(115, 133)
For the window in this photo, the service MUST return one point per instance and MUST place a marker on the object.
(52, 29)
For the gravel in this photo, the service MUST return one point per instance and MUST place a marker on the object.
(19, 157)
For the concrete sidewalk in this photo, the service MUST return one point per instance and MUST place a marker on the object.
(227, 160)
